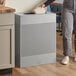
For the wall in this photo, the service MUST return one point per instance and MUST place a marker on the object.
(23, 5)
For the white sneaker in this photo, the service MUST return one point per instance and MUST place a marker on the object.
(75, 58)
(65, 60)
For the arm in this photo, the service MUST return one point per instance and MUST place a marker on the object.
(48, 2)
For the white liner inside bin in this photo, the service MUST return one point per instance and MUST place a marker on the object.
(24, 6)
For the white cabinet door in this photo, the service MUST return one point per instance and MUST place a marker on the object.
(5, 46)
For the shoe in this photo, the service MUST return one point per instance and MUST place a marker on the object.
(65, 60)
(75, 58)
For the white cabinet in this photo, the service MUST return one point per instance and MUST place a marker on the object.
(6, 40)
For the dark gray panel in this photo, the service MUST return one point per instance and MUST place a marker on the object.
(17, 41)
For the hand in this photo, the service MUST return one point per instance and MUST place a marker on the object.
(42, 6)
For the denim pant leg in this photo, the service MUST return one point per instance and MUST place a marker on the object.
(67, 28)
(75, 30)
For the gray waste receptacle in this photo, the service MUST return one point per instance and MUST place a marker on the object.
(35, 39)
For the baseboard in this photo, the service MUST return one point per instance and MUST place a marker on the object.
(5, 71)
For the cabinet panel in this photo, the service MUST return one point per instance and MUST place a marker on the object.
(6, 19)
(5, 46)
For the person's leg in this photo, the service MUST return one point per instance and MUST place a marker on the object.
(75, 34)
(67, 28)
